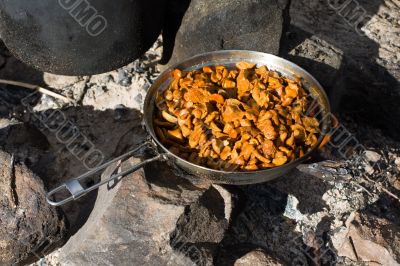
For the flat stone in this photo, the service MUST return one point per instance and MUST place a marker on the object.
(218, 25)
(30, 227)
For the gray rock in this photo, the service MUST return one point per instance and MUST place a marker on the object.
(30, 228)
(367, 238)
(132, 223)
(202, 227)
(368, 74)
(215, 25)
(257, 258)
(123, 78)
(318, 57)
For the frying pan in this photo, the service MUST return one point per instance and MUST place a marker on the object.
(228, 58)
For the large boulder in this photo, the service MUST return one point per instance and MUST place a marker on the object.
(141, 221)
(216, 25)
(29, 226)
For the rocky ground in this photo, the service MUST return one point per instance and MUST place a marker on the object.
(335, 209)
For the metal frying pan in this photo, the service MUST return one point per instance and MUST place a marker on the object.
(227, 58)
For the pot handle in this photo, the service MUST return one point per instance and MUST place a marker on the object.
(75, 188)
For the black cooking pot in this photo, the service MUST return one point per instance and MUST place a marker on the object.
(80, 37)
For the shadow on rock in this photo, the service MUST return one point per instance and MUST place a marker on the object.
(59, 145)
(201, 228)
(344, 61)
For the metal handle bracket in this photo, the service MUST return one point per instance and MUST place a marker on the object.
(75, 188)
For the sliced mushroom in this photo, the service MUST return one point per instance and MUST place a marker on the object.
(168, 117)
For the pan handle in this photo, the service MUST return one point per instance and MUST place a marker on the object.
(75, 188)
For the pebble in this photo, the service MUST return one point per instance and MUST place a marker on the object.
(123, 78)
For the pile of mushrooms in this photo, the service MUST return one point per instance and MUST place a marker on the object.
(246, 118)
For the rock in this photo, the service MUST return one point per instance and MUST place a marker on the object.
(59, 81)
(131, 223)
(372, 156)
(214, 25)
(126, 86)
(318, 57)
(257, 258)
(123, 78)
(367, 238)
(202, 226)
(30, 227)
(356, 30)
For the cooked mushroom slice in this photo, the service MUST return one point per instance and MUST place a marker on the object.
(168, 117)
(216, 77)
(216, 145)
(196, 96)
(279, 159)
(217, 98)
(231, 111)
(274, 83)
(291, 90)
(267, 129)
(185, 131)
(251, 167)
(207, 69)
(260, 157)
(177, 74)
(228, 84)
(268, 148)
(311, 124)
(194, 138)
(298, 131)
(285, 150)
(175, 134)
(245, 65)
(267, 165)
(214, 127)
(243, 84)
(262, 70)
(311, 140)
(225, 153)
(247, 150)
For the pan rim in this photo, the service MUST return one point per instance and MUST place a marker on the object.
(149, 104)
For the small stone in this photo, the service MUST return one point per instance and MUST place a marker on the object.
(139, 98)
(372, 156)
(291, 210)
(123, 78)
